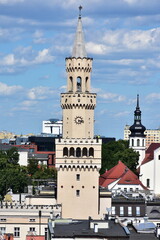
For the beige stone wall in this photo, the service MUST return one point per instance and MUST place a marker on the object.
(86, 203)
(78, 106)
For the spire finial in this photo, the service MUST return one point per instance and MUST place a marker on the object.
(80, 9)
(137, 100)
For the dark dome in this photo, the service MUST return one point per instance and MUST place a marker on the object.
(137, 130)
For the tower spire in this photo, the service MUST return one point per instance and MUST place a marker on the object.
(79, 50)
(137, 100)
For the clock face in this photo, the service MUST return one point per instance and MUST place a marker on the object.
(78, 120)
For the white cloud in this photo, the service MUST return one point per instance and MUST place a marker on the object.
(43, 56)
(40, 93)
(113, 97)
(6, 90)
(122, 114)
(153, 97)
(24, 57)
(95, 48)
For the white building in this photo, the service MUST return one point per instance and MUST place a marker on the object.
(150, 168)
(52, 126)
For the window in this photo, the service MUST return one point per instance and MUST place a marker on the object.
(148, 182)
(65, 151)
(129, 211)
(32, 219)
(159, 157)
(3, 219)
(46, 231)
(72, 151)
(77, 177)
(137, 211)
(138, 142)
(113, 210)
(84, 152)
(121, 211)
(77, 193)
(32, 229)
(91, 152)
(143, 142)
(2, 230)
(78, 84)
(16, 232)
(132, 142)
(78, 152)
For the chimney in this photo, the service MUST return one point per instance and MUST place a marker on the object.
(96, 228)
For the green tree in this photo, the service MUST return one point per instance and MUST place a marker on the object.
(114, 151)
(32, 167)
(12, 175)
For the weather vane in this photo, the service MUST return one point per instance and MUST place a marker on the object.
(80, 8)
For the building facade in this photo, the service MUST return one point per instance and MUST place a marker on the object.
(152, 135)
(52, 126)
(78, 153)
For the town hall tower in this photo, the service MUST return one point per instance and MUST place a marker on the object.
(78, 153)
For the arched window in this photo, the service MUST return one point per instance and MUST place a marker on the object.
(86, 84)
(71, 151)
(78, 152)
(84, 152)
(143, 142)
(71, 84)
(65, 151)
(79, 84)
(132, 142)
(148, 182)
(138, 142)
(91, 152)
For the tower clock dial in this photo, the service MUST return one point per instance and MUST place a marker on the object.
(78, 120)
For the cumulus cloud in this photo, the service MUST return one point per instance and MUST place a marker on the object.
(23, 58)
(40, 93)
(112, 97)
(6, 90)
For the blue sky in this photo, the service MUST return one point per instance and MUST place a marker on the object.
(122, 36)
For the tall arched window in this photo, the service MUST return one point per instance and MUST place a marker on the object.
(143, 142)
(138, 142)
(71, 84)
(79, 84)
(65, 151)
(91, 152)
(71, 151)
(78, 152)
(84, 152)
(86, 85)
(132, 142)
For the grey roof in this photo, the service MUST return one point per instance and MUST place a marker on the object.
(81, 228)
(79, 45)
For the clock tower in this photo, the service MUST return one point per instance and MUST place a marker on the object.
(78, 153)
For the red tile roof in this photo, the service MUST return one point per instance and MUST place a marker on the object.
(119, 174)
(150, 152)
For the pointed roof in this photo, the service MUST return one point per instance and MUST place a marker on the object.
(137, 129)
(149, 156)
(79, 44)
(120, 173)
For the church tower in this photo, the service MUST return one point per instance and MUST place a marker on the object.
(78, 153)
(137, 138)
